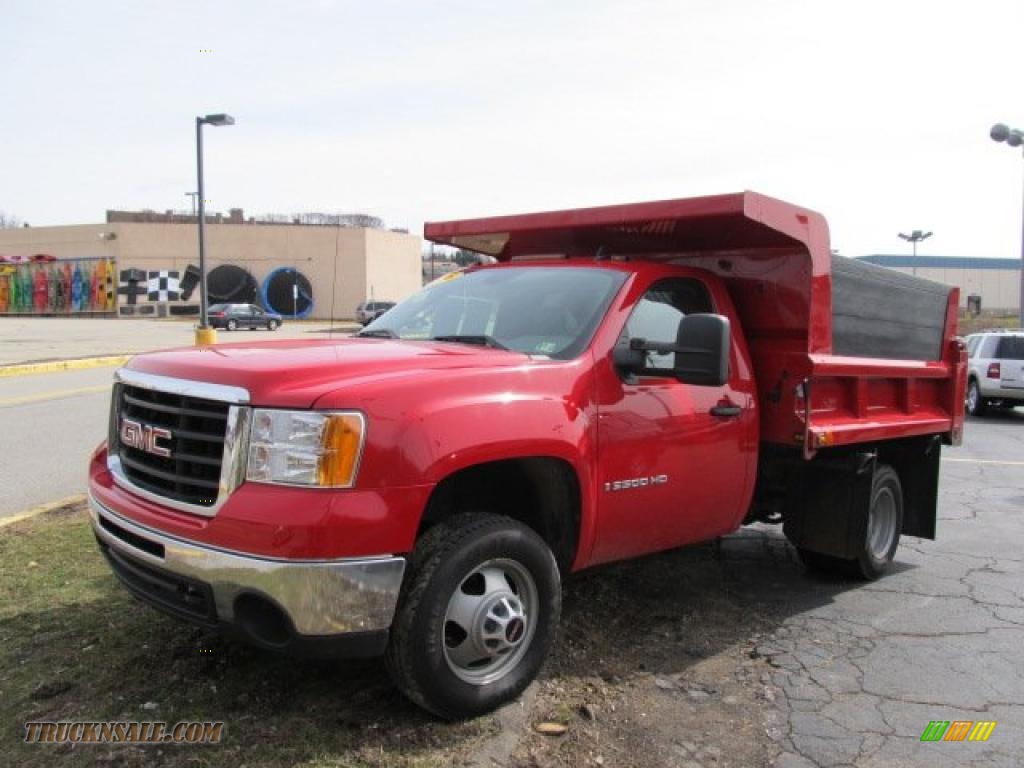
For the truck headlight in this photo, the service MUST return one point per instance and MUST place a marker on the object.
(305, 447)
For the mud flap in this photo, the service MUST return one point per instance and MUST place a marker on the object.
(827, 505)
(916, 461)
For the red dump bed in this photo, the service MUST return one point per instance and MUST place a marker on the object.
(843, 353)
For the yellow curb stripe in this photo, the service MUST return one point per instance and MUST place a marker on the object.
(41, 396)
(47, 507)
(23, 369)
(986, 461)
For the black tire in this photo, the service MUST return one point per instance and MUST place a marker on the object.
(445, 560)
(881, 537)
(886, 490)
(976, 404)
(232, 325)
(272, 325)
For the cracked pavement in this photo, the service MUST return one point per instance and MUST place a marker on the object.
(858, 677)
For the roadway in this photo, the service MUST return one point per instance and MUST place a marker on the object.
(49, 424)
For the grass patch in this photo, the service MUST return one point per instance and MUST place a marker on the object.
(74, 645)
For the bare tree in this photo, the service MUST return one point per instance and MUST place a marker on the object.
(323, 219)
(9, 221)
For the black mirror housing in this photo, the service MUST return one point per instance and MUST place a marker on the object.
(702, 350)
(629, 359)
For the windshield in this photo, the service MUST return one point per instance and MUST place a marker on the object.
(540, 311)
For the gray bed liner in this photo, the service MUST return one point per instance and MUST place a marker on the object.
(879, 312)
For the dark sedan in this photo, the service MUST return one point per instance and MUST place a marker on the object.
(235, 316)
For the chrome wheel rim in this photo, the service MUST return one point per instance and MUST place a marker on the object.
(882, 524)
(490, 621)
(972, 397)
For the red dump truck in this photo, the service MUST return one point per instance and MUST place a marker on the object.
(619, 381)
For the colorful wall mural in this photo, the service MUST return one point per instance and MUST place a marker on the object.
(46, 285)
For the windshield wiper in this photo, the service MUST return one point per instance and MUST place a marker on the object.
(378, 333)
(485, 341)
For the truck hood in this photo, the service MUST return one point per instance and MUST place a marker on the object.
(295, 372)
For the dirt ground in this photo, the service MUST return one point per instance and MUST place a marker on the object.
(655, 667)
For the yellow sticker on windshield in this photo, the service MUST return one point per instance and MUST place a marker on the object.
(445, 278)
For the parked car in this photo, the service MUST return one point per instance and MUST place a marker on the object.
(235, 316)
(369, 311)
(422, 489)
(995, 370)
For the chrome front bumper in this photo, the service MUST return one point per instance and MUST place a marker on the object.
(319, 597)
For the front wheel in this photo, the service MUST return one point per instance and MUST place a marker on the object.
(976, 404)
(272, 325)
(476, 617)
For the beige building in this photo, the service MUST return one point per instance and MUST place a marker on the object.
(308, 270)
(996, 281)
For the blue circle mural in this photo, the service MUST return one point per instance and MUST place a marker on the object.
(287, 292)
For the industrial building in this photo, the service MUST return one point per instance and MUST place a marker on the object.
(143, 263)
(996, 281)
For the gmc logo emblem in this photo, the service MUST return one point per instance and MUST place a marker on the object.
(144, 437)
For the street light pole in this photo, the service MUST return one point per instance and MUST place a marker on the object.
(914, 238)
(1014, 138)
(204, 333)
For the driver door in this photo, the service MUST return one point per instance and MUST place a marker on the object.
(671, 461)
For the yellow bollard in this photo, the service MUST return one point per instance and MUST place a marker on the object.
(205, 336)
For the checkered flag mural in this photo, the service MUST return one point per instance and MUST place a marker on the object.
(163, 286)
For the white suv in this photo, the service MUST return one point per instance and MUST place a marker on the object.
(995, 373)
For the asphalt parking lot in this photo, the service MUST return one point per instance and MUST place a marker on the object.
(860, 676)
(34, 339)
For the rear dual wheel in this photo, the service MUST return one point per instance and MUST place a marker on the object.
(882, 534)
(476, 617)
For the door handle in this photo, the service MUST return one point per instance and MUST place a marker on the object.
(726, 411)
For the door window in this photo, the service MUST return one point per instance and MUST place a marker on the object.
(656, 317)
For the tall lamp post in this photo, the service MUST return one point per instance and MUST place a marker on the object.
(914, 238)
(1014, 138)
(204, 333)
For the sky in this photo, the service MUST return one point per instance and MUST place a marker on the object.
(875, 113)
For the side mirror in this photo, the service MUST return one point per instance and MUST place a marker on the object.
(629, 358)
(702, 350)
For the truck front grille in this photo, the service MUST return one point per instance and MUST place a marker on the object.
(191, 472)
